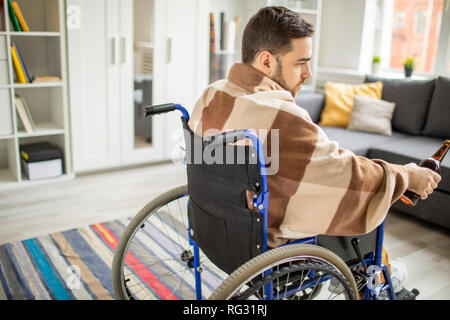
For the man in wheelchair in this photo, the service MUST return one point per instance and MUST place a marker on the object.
(315, 187)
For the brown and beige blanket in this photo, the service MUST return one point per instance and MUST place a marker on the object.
(315, 187)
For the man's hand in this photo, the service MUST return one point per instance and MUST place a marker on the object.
(422, 181)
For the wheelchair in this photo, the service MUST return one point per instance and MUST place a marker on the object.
(203, 240)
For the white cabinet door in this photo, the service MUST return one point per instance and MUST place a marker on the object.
(93, 63)
(101, 75)
(187, 43)
(180, 74)
(133, 151)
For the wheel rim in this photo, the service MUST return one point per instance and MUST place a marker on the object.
(157, 263)
(295, 278)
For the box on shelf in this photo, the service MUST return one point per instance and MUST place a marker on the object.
(41, 160)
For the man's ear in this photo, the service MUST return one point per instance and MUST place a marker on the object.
(266, 62)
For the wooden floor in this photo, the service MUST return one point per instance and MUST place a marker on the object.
(39, 210)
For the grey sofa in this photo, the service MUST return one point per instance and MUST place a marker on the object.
(420, 124)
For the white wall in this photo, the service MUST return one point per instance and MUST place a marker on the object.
(347, 34)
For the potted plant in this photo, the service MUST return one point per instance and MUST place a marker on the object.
(409, 65)
(376, 61)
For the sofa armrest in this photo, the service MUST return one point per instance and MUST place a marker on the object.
(311, 102)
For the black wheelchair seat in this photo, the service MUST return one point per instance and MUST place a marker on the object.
(343, 248)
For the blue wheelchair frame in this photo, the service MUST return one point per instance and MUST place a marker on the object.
(262, 204)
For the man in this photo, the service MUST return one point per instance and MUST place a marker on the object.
(319, 188)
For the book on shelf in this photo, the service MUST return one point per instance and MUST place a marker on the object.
(23, 24)
(237, 20)
(20, 73)
(24, 114)
(229, 36)
(222, 30)
(38, 79)
(12, 16)
(212, 34)
(22, 63)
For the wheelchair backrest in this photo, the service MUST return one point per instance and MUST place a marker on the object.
(221, 179)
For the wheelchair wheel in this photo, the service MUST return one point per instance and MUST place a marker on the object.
(298, 271)
(154, 258)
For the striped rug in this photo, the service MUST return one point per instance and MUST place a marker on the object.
(74, 264)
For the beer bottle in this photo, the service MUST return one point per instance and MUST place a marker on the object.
(433, 163)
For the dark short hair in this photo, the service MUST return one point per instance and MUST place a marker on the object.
(272, 29)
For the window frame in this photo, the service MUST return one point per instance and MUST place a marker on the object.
(442, 66)
(416, 22)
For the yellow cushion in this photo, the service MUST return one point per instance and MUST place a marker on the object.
(339, 101)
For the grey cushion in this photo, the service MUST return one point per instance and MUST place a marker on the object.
(412, 99)
(438, 120)
(312, 102)
(360, 142)
(414, 149)
(371, 115)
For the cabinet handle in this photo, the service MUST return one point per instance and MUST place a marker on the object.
(169, 50)
(113, 50)
(123, 49)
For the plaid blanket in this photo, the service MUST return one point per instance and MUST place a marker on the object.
(314, 186)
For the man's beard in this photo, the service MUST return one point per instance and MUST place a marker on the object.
(278, 78)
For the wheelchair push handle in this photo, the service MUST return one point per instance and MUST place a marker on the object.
(158, 109)
(166, 107)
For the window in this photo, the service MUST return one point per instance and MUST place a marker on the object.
(413, 29)
(399, 20)
(443, 56)
(419, 22)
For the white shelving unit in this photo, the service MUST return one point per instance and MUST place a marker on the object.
(310, 10)
(43, 49)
